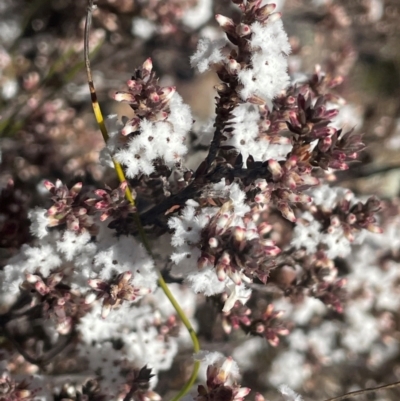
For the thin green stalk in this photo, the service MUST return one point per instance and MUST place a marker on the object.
(121, 176)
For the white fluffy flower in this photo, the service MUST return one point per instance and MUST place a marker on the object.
(39, 222)
(197, 15)
(207, 54)
(268, 75)
(186, 239)
(163, 140)
(245, 137)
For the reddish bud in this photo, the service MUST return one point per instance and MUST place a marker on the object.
(274, 17)
(148, 65)
(243, 30)
(224, 22)
(124, 97)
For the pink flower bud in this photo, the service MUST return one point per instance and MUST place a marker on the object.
(290, 100)
(213, 242)
(105, 310)
(336, 81)
(262, 184)
(265, 10)
(126, 276)
(309, 180)
(134, 85)
(254, 99)
(101, 205)
(222, 222)
(124, 97)
(95, 283)
(131, 126)
(324, 144)
(54, 279)
(243, 30)
(329, 114)
(274, 17)
(53, 210)
(272, 250)
(65, 326)
(48, 185)
(148, 65)
(273, 340)
(203, 262)
(236, 277)
(239, 234)
(167, 93)
(76, 188)
(104, 216)
(294, 119)
(233, 67)
(221, 274)
(143, 291)
(154, 97)
(225, 369)
(100, 192)
(287, 212)
(275, 168)
(90, 298)
(41, 288)
(32, 278)
(264, 228)
(225, 22)
(374, 229)
(351, 218)
(61, 302)
(260, 198)
(335, 221)
(81, 211)
(241, 393)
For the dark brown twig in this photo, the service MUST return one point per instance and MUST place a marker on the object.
(365, 391)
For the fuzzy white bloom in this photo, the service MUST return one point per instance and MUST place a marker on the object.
(207, 54)
(146, 346)
(143, 28)
(71, 244)
(361, 330)
(157, 140)
(289, 368)
(307, 233)
(217, 359)
(196, 16)
(105, 360)
(10, 29)
(9, 89)
(247, 352)
(43, 259)
(328, 197)
(245, 136)
(289, 394)
(39, 222)
(268, 76)
(187, 237)
(126, 254)
(236, 293)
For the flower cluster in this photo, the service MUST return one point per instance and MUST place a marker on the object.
(250, 214)
(218, 385)
(157, 133)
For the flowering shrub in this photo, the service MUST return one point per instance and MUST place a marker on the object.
(293, 265)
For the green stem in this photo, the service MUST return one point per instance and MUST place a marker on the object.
(100, 121)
